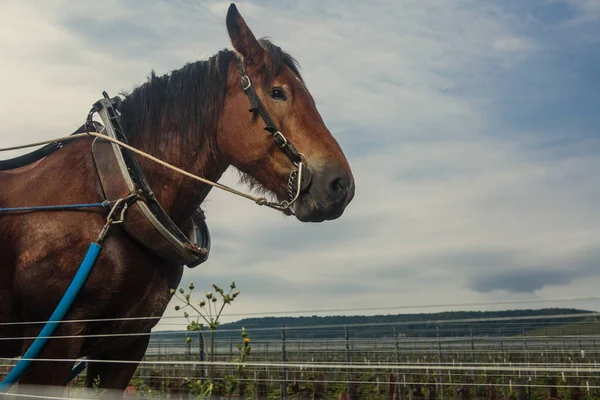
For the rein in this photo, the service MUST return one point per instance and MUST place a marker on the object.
(261, 201)
(115, 216)
(299, 180)
(105, 203)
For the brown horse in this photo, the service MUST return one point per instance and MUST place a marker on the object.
(195, 118)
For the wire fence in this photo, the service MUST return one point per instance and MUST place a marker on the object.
(520, 357)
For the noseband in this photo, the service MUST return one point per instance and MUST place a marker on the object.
(300, 179)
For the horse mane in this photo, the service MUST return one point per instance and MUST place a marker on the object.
(189, 101)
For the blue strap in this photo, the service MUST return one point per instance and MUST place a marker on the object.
(105, 203)
(59, 313)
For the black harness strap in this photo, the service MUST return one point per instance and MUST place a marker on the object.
(44, 151)
(257, 105)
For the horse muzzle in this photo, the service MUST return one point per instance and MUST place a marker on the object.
(330, 192)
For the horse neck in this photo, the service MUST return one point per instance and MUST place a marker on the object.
(178, 195)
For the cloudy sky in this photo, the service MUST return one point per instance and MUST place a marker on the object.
(472, 128)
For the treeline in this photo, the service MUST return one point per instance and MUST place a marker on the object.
(446, 324)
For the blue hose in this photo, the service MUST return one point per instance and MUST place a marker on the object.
(57, 316)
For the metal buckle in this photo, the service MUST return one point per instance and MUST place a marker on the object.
(246, 82)
(302, 160)
(279, 138)
(123, 204)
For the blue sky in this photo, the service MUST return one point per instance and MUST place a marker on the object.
(471, 127)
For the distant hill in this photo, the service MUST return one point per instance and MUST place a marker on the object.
(448, 324)
(586, 326)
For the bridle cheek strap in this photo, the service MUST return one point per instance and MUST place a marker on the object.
(256, 105)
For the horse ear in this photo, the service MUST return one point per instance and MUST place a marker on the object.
(242, 38)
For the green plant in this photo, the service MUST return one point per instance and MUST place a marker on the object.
(207, 310)
(201, 390)
(96, 386)
(240, 369)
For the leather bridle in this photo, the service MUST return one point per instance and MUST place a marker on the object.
(300, 179)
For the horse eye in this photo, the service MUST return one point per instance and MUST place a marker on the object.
(277, 93)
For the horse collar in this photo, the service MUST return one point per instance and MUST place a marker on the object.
(146, 222)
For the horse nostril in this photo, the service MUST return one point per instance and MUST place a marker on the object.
(338, 187)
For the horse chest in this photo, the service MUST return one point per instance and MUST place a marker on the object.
(157, 295)
(142, 283)
(143, 291)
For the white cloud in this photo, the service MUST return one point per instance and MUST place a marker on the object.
(512, 44)
(431, 179)
(407, 226)
(589, 7)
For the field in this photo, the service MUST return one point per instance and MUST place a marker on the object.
(526, 359)
(556, 360)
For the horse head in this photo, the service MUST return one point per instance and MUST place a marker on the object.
(283, 129)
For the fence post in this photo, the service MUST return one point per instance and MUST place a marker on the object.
(262, 391)
(546, 346)
(202, 353)
(595, 358)
(189, 368)
(268, 371)
(473, 376)
(398, 383)
(562, 335)
(143, 370)
(441, 374)
(160, 358)
(320, 387)
(232, 368)
(527, 377)
(283, 369)
(348, 374)
(504, 388)
(580, 349)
